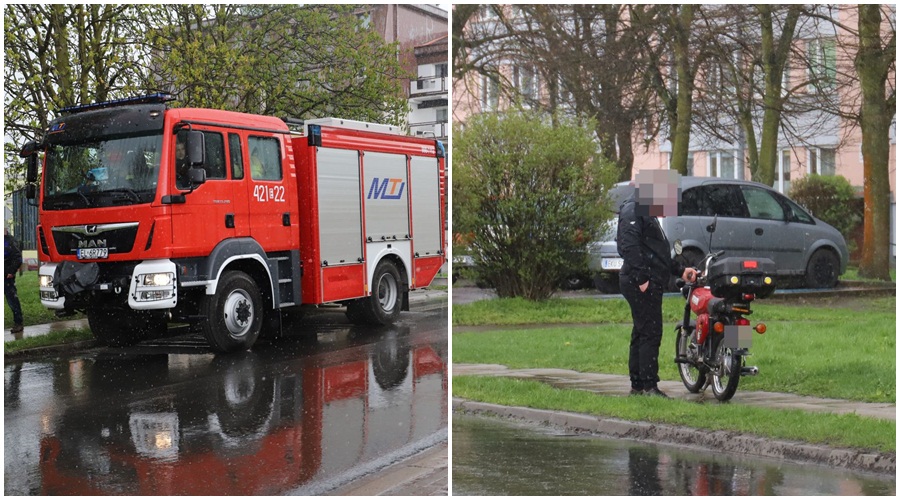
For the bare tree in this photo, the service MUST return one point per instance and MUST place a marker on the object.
(875, 64)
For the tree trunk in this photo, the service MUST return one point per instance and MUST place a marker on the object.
(872, 63)
(681, 133)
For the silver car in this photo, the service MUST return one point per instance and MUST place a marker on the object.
(752, 220)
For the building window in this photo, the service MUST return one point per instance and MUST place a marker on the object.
(822, 69)
(721, 164)
(441, 115)
(527, 82)
(490, 94)
(822, 161)
(783, 176)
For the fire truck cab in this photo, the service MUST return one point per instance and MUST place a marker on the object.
(151, 214)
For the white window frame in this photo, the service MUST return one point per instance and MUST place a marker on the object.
(714, 163)
(814, 160)
(779, 175)
(490, 94)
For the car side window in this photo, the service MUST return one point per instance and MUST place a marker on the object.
(799, 215)
(265, 158)
(215, 158)
(237, 156)
(761, 204)
(692, 202)
(723, 200)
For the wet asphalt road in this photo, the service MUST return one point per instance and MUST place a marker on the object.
(308, 413)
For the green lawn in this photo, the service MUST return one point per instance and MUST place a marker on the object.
(836, 349)
(796, 425)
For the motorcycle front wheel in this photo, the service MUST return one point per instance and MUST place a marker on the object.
(727, 373)
(692, 377)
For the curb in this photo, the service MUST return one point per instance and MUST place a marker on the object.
(729, 442)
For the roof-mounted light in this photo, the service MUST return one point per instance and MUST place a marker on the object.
(157, 98)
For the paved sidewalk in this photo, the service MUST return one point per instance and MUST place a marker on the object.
(423, 474)
(619, 385)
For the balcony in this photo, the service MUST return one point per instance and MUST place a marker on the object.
(428, 86)
(433, 129)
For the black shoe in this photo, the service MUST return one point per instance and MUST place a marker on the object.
(654, 391)
(635, 392)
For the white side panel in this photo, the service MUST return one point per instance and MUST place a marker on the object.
(377, 251)
(387, 197)
(426, 205)
(340, 224)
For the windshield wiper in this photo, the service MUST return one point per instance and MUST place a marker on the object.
(130, 194)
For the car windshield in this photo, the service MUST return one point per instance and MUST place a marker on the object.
(102, 172)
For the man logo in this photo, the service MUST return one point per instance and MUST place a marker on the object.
(382, 191)
(90, 229)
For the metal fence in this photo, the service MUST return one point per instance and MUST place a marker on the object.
(24, 220)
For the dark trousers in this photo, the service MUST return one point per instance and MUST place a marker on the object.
(12, 298)
(646, 334)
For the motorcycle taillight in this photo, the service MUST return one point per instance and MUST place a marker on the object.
(749, 296)
(743, 322)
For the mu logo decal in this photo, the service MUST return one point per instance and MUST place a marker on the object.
(386, 189)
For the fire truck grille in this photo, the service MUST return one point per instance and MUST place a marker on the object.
(105, 238)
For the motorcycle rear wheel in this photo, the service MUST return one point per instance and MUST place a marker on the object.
(726, 376)
(693, 377)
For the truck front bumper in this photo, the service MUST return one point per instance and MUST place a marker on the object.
(150, 285)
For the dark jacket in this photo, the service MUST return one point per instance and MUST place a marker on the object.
(12, 256)
(644, 248)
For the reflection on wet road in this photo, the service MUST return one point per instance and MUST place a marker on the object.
(300, 414)
(498, 457)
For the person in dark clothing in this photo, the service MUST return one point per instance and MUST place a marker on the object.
(12, 261)
(645, 271)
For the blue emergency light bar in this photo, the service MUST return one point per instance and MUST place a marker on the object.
(157, 98)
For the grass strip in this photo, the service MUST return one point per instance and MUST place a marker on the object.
(518, 311)
(52, 338)
(834, 430)
(807, 358)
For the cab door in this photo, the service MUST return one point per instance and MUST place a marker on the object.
(202, 220)
(271, 192)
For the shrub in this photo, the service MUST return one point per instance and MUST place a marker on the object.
(525, 193)
(832, 199)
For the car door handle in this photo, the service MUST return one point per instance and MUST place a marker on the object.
(758, 231)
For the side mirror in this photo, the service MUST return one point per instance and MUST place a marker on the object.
(196, 148)
(679, 248)
(30, 191)
(31, 169)
(197, 176)
(28, 149)
(712, 227)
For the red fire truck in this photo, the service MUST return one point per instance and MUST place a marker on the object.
(151, 214)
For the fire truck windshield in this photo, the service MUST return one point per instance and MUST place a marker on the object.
(102, 172)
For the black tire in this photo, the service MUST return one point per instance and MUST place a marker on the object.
(692, 258)
(728, 373)
(822, 270)
(383, 306)
(234, 314)
(607, 283)
(572, 282)
(356, 312)
(120, 327)
(692, 377)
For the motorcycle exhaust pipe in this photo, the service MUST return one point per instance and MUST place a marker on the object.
(749, 370)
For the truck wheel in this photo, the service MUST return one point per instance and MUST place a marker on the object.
(233, 314)
(119, 327)
(383, 305)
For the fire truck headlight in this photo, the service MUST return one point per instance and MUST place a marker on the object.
(46, 281)
(156, 279)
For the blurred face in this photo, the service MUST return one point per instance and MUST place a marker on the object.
(179, 150)
(658, 193)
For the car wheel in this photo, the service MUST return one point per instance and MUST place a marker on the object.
(608, 283)
(822, 270)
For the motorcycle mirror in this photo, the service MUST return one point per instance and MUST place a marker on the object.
(712, 227)
(679, 248)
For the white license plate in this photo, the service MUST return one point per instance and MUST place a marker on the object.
(611, 264)
(93, 253)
